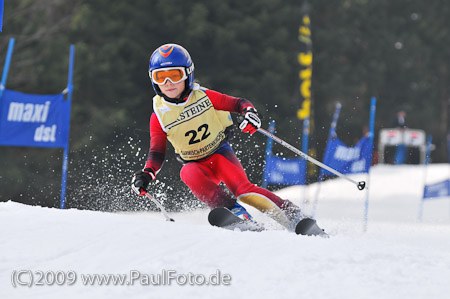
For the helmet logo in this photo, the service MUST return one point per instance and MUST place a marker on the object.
(165, 50)
(190, 69)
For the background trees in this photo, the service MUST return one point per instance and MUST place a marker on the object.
(394, 50)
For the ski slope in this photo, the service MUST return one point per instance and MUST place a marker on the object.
(397, 257)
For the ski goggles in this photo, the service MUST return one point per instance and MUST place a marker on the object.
(174, 74)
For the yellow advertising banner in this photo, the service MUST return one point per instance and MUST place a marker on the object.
(305, 58)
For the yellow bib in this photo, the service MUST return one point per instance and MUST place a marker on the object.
(194, 128)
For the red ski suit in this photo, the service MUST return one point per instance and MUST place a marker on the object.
(204, 176)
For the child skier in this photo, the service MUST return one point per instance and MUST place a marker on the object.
(197, 122)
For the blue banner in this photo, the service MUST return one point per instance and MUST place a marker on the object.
(347, 160)
(440, 189)
(283, 171)
(34, 120)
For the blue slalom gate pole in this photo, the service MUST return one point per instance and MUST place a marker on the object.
(427, 160)
(305, 140)
(373, 104)
(268, 153)
(64, 178)
(69, 91)
(331, 134)
(6, 66)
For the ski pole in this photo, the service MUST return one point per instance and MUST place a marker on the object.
(361, 185)
(160, 206)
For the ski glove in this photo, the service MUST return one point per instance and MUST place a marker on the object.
(141, 179)
(251, 121)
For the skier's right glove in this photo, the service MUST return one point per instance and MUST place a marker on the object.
(141, 179)
(251, 121)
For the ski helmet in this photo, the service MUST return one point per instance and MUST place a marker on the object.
(169, 55)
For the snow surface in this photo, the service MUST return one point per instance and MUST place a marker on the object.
(397, 257)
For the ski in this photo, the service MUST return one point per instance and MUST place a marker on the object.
(222, 217)
(309, 227)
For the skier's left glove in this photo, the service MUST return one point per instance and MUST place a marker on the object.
(251, 121)
(141, 179)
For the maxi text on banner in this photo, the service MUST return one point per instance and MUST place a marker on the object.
(34, 120)
(284, 171)
(348, 160)
(440, 189)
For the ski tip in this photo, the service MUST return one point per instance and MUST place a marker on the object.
(213, 215)
(309, 227)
